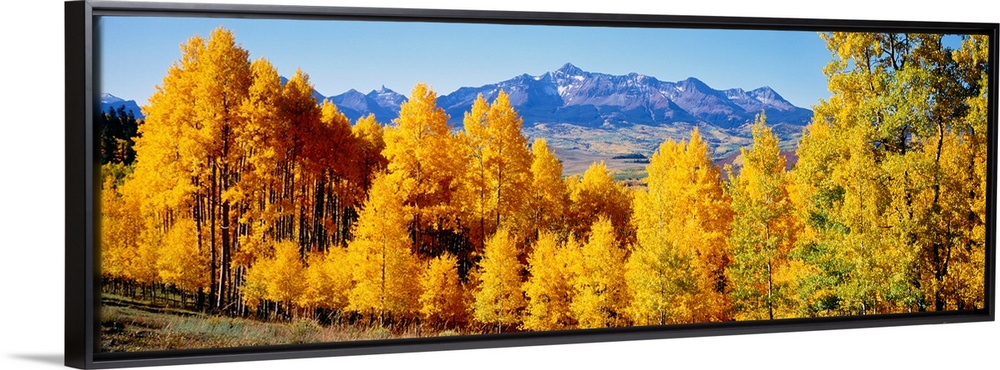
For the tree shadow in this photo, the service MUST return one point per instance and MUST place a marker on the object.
(44, 358)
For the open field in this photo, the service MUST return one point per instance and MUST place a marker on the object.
(578, 147)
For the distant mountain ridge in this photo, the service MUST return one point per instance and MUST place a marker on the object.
(109, 101)
(597, 115)
(383, 103)
(572, 95)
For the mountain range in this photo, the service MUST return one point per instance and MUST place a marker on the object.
(593, 116)
(589, 99)
(588, 116)
(586, 99)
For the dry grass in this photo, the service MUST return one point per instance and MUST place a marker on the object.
(131, 326)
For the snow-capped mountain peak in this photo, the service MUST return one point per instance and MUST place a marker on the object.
(107, 98)
(570, 94)
(569, 69)
(574, 96)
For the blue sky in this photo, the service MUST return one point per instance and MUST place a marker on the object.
(339, 55)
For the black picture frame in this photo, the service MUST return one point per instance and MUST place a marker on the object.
(82, 278)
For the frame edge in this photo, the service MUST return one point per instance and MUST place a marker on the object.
(81, 327)
(991, 178)
(79, 307)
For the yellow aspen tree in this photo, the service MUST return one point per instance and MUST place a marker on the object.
(370, 136)
(966, 171)
(302, 155)
(252, 290)
(162, 177)
(958, 225)
(951, 205)
(337, 185)
(597, 195)
(499, 169)
(120, 227)
(155, 219)
(261, 141)
(880, 259)
(285, 281)
(384, 270)
(882, 209)
(223, 81)
(278, 278)
(549, 200)
(142, 268)
(179, 261)
(443, 299)
(474, 192)
(208, 146)
(160, 186)
(599, 290)
(425, 163)
(327, 280)
(813, 192)
(549, 288)
(498, 299)
(676, 272)
(763, 231)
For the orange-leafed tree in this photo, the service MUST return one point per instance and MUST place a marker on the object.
(370, 138)
(278, 278)
(167, 168)
(120, 225)
(337, 183)
(260, 184)
(223, 81)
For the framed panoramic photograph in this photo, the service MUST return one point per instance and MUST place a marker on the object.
(248, 182)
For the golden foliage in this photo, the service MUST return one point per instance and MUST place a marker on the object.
(498, 174)
(598, 195)
(425, 163)
(443, 298)
(327, 280)
(498, 298)
(252, 191)
(763, 231)
(549, 289)
(599, 291)
(180, 260)
(676, 273)
(383, 267)
(549, 203)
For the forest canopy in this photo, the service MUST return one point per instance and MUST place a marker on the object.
(257, 200)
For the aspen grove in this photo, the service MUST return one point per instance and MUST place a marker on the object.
(253, 199)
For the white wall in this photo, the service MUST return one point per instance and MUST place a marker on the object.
(31, 219)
